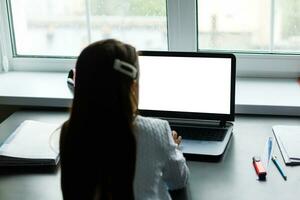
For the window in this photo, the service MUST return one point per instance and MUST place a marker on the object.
(270, 26)
(49, 34)
(64, 27)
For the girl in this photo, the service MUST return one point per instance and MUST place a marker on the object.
(104, 130)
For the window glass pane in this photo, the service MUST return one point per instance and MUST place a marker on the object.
(61, 27)
(49, 27)
(138, 22)
(287, 26)
(234, 24)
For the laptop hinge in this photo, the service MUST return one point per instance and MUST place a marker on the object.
(223, 123)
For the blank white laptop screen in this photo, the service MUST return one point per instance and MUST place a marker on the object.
(185, 84)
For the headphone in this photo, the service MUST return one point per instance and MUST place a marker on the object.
(71, 80)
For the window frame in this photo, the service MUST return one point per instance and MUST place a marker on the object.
(182, 36)
(5, 39)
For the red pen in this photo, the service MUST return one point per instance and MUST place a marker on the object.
(259, 168)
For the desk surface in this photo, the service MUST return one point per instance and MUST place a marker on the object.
(233, 178)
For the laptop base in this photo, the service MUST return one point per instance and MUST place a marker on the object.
(199, 156)
(203, 150)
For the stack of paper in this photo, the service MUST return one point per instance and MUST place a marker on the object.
(32, 143)
(288, 139)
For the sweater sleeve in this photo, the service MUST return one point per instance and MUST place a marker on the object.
(175, 171)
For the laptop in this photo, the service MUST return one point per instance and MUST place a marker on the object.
(195, 93)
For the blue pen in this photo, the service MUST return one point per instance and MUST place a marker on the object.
(270, 143)
(274, 159)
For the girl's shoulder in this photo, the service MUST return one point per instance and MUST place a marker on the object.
(150, 121)
(153, 132)
(155, 128)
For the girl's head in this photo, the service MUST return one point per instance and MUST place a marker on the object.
(109, 69)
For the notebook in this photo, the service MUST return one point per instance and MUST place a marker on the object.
(33, 143)
(195, 92)
(288, 140)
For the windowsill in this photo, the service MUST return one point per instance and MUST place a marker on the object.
(275, 96)
(35, 89)
(253, 95)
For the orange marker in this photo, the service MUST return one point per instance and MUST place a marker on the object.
(259, 168)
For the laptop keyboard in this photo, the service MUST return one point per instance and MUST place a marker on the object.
(200, 133)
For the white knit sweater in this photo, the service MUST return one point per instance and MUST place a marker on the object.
(160, 166)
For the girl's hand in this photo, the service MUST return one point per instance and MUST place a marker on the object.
(176, 138)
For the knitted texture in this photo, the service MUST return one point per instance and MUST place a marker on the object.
(160, 166)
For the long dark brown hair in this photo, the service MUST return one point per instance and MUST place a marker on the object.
(98, 137)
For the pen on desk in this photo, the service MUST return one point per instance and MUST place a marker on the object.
(274, 159)
(267, 155)
(270, 143)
